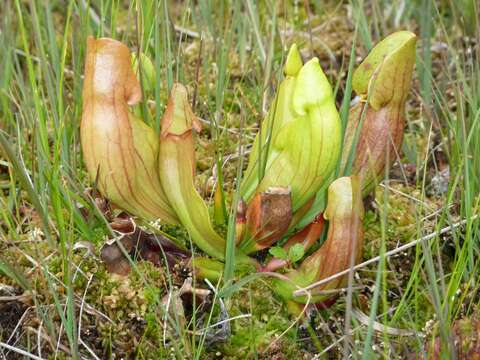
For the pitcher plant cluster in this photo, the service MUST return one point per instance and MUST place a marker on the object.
(301, 195)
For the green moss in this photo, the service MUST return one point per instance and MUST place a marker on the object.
(259, 335)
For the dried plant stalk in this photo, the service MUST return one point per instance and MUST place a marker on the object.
(268, 217)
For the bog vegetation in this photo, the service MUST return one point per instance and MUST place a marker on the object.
(239, 179)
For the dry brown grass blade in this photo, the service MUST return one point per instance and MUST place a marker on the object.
(307, 289)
